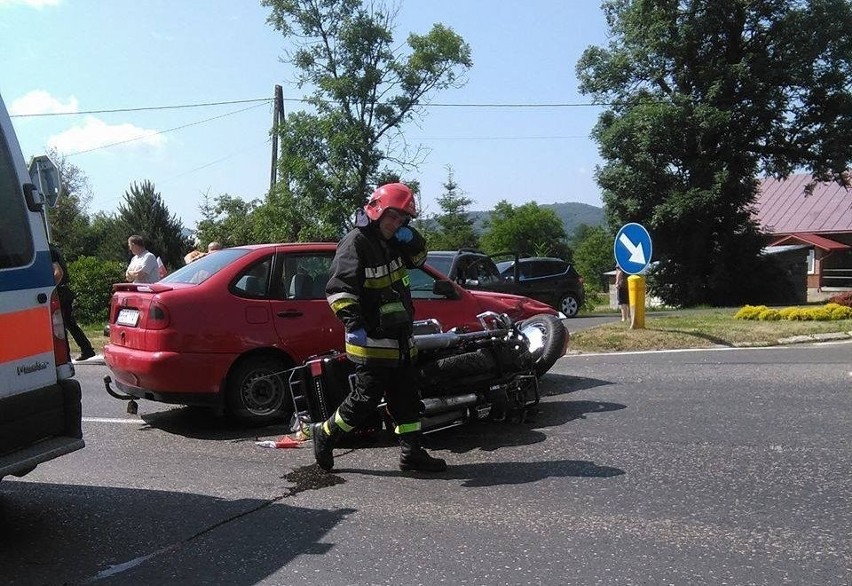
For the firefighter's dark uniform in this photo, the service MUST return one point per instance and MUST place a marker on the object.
(368, 288)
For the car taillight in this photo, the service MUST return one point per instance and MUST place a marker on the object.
(61, 352)
(158, 317)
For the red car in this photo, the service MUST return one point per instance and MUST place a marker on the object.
(218, 331)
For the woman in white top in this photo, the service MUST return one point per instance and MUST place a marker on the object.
(143, 266)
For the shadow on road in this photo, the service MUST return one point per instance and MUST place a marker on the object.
(508, 473)
(200, 423)
(559, 384)
(62, 534)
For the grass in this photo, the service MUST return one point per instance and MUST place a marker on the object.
(95, 333)
(700, 328)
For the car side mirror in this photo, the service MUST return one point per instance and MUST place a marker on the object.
(445, 289)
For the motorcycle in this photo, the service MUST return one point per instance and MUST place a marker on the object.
(464, 376)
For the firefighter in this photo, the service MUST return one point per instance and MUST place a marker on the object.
(368, 290)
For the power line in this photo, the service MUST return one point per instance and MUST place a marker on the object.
(141, 108)
(305, 101)
(103, 146)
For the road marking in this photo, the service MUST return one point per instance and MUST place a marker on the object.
(111, 420)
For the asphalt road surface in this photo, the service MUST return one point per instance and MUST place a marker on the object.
(690, 467)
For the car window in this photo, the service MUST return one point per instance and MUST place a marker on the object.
(16, 245)
(441, 263)
(546, 268)
(305, 275)
(421, 284)
(254, 281)
(205, 267)
(481, 270)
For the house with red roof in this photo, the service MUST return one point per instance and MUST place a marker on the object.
(820, 220)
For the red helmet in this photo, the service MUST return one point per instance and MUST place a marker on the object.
(392, 195)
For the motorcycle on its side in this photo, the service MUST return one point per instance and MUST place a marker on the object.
(464, 376)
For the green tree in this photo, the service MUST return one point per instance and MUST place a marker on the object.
(705, 95)
(526, 229)
(455, 226)
(593, 255)
(229, 220)
(143, 212)
(69, 220)
(365, 88)
(92, 280)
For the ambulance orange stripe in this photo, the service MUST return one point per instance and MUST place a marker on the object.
(25, 333)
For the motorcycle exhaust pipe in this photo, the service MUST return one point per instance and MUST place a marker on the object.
(451, 339)
(430, 406)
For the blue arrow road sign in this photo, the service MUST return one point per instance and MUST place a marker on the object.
(632, 248)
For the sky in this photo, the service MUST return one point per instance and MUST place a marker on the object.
(79, 58)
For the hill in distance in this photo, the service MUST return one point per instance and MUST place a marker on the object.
(571, 213)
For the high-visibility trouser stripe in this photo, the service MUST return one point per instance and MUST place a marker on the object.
(338, 421)
(25, 333)
(407, 428)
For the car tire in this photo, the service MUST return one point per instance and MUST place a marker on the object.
(257, 391)
(569, 305)
(554, 338)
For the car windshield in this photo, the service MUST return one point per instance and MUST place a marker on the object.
(205, 267)
(441, 263)
(505, 266)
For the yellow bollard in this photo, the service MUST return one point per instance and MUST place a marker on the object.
(636, 293)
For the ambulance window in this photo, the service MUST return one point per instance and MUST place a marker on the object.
(16, 242)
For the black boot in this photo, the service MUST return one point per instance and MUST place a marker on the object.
(324, 435)
(412, 456)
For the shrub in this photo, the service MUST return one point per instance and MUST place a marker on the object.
(789, 313)
(91, 281)
(819, 314)
(844, 299)
(839, 311)
(750, 312)
(768, 315)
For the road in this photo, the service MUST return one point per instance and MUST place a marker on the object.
(690, 467)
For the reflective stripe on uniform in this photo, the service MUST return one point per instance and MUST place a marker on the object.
(407, 428)
(400, 274)
(338, 421)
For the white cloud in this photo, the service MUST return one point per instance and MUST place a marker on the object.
(41, 102)
(95, 134)
(39, 4)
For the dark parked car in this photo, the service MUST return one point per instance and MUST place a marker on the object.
(550, 280)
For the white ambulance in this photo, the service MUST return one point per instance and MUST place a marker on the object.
(40, 409)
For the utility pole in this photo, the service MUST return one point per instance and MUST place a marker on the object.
(277, 118)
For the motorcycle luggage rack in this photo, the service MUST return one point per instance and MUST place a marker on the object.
(313, 396)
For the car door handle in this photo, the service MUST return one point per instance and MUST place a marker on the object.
(290, 313)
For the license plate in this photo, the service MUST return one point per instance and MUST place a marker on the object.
(127, 317)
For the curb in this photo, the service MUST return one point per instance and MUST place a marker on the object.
(831, 337)
(97, 359)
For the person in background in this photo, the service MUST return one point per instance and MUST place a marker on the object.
(369, 292)
(622, 294)
(66, 304)
(196, 254)
(143, 267)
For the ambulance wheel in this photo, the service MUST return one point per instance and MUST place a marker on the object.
(257, 392)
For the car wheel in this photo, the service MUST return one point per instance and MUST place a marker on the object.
(569, 305)
(548, 338)
(257, 391)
